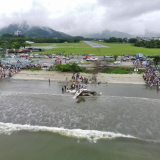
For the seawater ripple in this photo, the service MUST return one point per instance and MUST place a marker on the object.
(91, 135)
(7, 93)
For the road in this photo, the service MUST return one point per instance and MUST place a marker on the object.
(80, 58)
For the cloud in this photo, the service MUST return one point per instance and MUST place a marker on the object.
(79, 17)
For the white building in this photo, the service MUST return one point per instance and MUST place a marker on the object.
(156, 38)
(29, 42)
(17, 33)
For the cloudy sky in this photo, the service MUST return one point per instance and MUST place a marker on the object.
(78, 17)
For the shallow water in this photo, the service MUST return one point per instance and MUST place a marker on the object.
(36, 117)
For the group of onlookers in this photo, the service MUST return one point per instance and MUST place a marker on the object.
(6, 71)
(151, 76)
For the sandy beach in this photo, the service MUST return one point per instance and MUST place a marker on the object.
(61, 76)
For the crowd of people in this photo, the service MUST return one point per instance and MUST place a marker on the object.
(79, 79)
(152, 77)
(78, 82)
(8, 71)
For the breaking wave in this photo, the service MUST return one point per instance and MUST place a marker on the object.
(91, 135)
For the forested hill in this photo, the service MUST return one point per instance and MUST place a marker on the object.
(34, 32)
(107, 34)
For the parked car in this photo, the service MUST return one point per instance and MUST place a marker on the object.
(45, 65)
(117, 62)
(133, 58)
(40, 56)
(67, 58)
(45, 56)
(142, 59)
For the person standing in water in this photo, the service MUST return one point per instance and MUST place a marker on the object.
(62, 90)
(49, 81)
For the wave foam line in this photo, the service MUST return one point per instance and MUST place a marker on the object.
(140, 98)
(92, 135)
(31, 93)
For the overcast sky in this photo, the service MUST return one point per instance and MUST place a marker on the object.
(77, 17)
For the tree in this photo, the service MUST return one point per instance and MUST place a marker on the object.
(132, 40)
(156, 60)
(16, 45)
(115, 57)
(112, 39)
(5, 46)
(24, 44)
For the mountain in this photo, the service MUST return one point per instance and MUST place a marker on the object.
(35, 31)
(149, 33)
(107, 34)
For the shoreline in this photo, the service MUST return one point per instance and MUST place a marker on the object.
(61, 77)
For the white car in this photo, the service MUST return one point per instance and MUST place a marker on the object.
(95, 58)
(67, 58)
(13, 56)
(45, 56)
(89, 59)
(117, 62)
(45, 65)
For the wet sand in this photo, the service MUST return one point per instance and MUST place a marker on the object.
(61, 77)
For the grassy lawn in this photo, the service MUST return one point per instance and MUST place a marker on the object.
(63, 45)
(42, 44)
(128, 49)
(83, 48)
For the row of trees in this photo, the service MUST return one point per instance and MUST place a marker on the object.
(120, 40)
(148, 44)
(12, 38)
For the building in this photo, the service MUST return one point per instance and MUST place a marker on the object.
(29, 42)
(155, 38)
(143, 39)
(17, 33)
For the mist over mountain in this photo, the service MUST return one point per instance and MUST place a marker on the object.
(34, 31)
(107, 34)
(40, 31)
(149, 33)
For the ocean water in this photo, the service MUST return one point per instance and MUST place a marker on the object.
(38, 122)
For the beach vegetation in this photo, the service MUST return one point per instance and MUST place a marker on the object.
(33, 69)
(118, 70)
(73, 67)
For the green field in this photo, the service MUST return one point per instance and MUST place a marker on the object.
(63, 45)
(83, 48)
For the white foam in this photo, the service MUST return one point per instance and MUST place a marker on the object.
(31, 93)
(92, 135)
